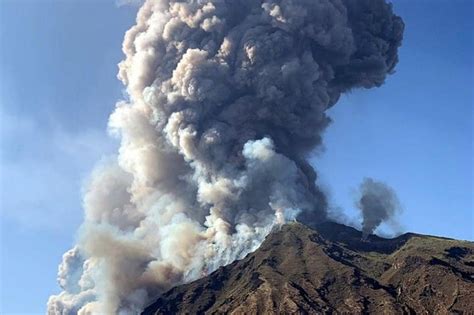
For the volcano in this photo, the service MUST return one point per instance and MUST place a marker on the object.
(329, 269)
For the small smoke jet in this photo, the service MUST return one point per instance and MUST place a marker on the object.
(378, 203)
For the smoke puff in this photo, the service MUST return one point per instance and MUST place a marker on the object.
(226, 101)
(378, 203)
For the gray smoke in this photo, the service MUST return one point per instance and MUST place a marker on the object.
(227, 99)
(378, 203)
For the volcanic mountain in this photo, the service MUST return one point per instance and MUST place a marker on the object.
(330, 269)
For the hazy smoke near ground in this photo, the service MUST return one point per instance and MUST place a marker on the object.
(378, 203)
(226, 100)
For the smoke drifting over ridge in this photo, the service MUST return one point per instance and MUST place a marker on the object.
(378, 203)
(226, 100)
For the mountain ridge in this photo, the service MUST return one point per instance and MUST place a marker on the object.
(330, 269)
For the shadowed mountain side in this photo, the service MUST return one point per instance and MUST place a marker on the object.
(331, 270)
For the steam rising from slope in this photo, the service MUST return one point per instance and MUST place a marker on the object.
(226, 101)
(378, 203)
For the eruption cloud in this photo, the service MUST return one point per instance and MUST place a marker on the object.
(226, 100)
(378, 203)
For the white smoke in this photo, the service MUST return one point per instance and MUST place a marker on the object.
(226, 101)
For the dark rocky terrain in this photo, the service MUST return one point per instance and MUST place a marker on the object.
(330, 270)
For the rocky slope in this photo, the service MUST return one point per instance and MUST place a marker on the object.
(328, 270)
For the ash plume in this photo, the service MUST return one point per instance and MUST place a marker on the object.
(378, 203)
(226, 99)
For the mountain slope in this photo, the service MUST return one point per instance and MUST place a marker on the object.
(330, 269)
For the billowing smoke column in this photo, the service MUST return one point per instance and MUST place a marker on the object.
(378, 203)
(226, 100)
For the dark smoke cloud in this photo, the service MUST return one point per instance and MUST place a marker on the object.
(226, 100)
(378, 203)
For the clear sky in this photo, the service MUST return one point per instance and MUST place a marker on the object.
(58, 84)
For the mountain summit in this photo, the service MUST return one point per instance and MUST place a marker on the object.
(330, 269)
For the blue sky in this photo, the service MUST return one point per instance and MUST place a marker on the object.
(58, 84)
